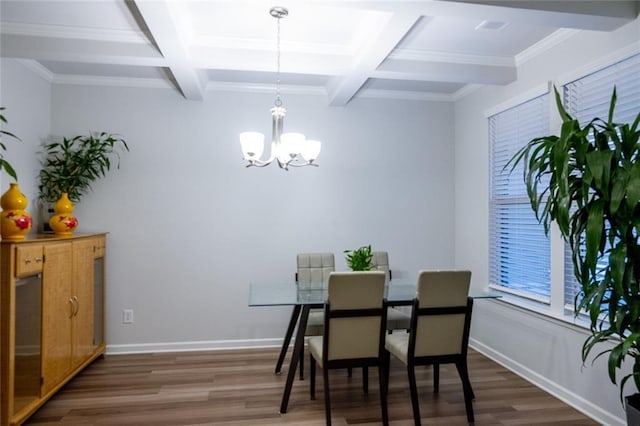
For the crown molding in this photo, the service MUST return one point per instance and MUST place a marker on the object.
(264, 88)
(545, 44)
(456, 58)
(404, 95)
(602, 62)
(82, 80)
(466, 91)
(66, 32)
(40, 70)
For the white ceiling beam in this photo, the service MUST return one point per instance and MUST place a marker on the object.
(579, 14)
(446, 72)
(264, 61)
(341, 90)
(158, 17)
(85, 51)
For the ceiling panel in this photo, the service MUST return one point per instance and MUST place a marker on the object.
(343, 49)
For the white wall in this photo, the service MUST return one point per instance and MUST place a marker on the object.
(27, 98)
(543, 350)
(190, 227)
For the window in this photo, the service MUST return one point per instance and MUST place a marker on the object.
(519, 252)
(589, 97)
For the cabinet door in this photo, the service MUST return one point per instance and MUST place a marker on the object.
(82, 294)
(57, 310)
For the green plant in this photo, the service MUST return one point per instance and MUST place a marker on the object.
(4, 164)
(72, 165)
(359, 259)
(587, 180)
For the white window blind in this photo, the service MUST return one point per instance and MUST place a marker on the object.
(519, 252)
(589, 97)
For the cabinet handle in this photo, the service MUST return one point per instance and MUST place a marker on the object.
(27, 261)
(73, 306)
(77, 305)
(38, 259)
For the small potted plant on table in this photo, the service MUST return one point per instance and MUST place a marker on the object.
(360, 258)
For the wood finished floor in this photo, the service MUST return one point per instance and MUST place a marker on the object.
(238, 387)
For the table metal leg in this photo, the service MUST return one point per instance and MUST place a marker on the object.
(287, 338)
(298, 351)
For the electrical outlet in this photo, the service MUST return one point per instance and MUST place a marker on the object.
(127, 316)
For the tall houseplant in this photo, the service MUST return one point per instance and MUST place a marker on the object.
(4, 164)
(72, 165)
(15, 221)
(587, 180)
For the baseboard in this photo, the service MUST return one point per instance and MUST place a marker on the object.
(563, 394)
(208, 345)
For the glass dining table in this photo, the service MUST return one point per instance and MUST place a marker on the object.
(305, 297)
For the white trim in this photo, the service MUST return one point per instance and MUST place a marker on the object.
(321, 91)
(455, 58)
(532, 93)
(560, 392)
(466, 91)
(40, 70)
(264, 88)
(404, 95)
(545, 44)
(205, 345)
(603, 62)
(569, 321)
(70, 32)
(83, 80)
(546, 300)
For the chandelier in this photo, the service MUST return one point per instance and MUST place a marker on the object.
(289, 149)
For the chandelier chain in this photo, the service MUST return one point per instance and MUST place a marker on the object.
(278, 101)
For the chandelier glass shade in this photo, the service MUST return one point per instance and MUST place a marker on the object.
(288, 149)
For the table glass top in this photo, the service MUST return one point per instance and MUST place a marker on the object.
(288, 294)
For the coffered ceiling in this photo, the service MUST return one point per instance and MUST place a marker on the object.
(436, 49)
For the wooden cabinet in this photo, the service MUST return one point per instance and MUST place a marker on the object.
(52, 317)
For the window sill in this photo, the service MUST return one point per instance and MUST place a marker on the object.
(543, 311)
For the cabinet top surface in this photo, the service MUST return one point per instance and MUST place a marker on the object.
(52, 237)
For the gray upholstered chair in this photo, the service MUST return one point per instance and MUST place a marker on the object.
(354, 331)
(311, 268)
(396, 318)
(439, 333)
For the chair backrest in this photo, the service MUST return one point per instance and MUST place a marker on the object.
(441, 314)
(313, 268)
(380, 262)
(355, 315)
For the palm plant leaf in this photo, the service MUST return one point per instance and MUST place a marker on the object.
(72, 165)
(592, 191)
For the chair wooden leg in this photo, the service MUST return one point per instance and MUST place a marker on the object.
(387, 366)
(414, 394)
(302, 364)
(349, 371)
(436, 377)
(383, 392)
(327, 400)
(365, 380)
(312, 379)
(466, 388)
